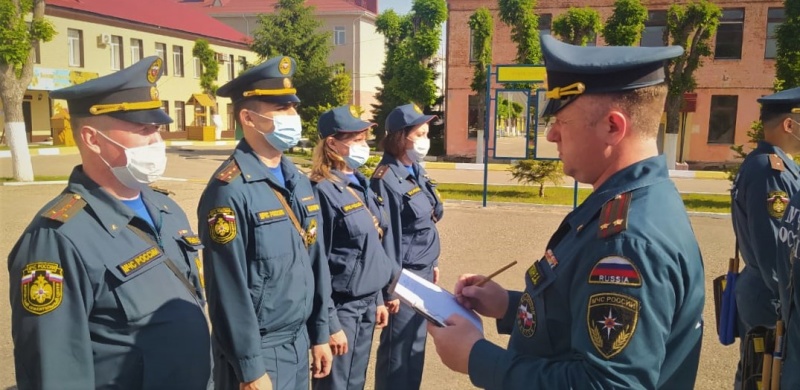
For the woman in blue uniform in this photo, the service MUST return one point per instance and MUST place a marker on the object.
(414, 207)
(353, 224)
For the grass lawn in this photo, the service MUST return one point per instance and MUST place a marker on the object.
(37, 178)
(564, 196)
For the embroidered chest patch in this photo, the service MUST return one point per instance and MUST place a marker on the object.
(222, 225)
(136, 262)
(611, 321)
(352, 206)
(42, 287)
(615, 270)
(526, 316)
(270, 214)
(776, 203)
(311, 232)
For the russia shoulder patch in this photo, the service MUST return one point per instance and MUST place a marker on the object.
(615, 270)
(42, 287)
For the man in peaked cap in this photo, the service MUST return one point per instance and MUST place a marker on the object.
(769, 226)
(268, 278)
(105, 289)
(616, 299)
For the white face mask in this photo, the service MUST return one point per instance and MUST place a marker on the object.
(287, 133)
(145, 165)
(419, 150)
(358, 156)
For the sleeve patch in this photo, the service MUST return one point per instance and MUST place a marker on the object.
(776, 203)
(311, 232)
(611, 321)
(615, 270)
(222, 225)
(42, 287)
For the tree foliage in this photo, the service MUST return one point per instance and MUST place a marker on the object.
(578, 25)
(23, 25)
(208, 60)
(482, 27)
(293, 30)
(691, 26)
(409, 70)
(625, 26)
(519, 15)
(537, 172)
(787, 59)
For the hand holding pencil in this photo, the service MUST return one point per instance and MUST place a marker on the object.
(478, 293)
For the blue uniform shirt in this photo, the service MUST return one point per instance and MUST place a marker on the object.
(95, 305)
(414, 208)
(264, 284)
(766, 180)
(615, 302)
(788, 270)
(350, 221)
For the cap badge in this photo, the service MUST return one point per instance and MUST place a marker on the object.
(153, 93)
(285, 65)
(287, 82)
(417, 109)
(354, 112)
(154, 70)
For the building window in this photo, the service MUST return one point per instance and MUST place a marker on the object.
(545, 24)
(729, 35)
(177, 60)
(136, 50)
(654, 27)
(231, 120)
(165, 107)
(161, 51)
(198, 67)
(242, 63)
(339, 37)
(180, 116)
(472, 49)
(117, 60)
(775, 16)
(231, 68)
(474, 115)
(75, 43)
(722, 121)
(37, 54)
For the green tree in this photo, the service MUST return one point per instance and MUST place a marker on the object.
(519, 15)
(787, 59)
(23, 26)
(691, 26)
(208, 61)
(409, 70)
(578, 25)
(625, 26)
(482, 26)
(534, 172)
(293, 30)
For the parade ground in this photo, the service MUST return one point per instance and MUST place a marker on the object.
(474, 240)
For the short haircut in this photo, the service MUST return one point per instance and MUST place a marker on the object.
(644, 107)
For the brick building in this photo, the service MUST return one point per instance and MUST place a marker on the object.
(741, 69)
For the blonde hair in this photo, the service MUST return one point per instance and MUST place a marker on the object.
(326, 159)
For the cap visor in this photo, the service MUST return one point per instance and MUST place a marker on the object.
(356, 126)
(280, 99)
(421, 120)
(552, 106)
(145, 117)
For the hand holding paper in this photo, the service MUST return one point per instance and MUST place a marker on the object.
(430, 300)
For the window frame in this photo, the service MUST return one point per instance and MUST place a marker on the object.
(656, 19)
(115, 49)
(197, 66)
(165, 107)
(776, 21)
(72, 44)
(137, 50)
(161, 52)
(731, 110)
(339, 36)
(726, 41)
(180, 115)
(177, 61)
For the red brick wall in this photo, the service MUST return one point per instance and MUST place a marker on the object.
(750, 77)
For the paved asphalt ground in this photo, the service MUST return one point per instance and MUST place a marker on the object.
(474, 240)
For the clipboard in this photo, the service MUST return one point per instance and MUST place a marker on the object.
(432, 302)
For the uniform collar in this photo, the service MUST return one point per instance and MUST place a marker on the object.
(766, 147)
(254, 170)
(345, 181)
(112, 213)
(399, 169)
(641, 174)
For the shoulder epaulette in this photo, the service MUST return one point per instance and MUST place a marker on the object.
(776, 162)
(67, 206)
(380, 171)
(229, 172)
(614, 216)
(162, 190)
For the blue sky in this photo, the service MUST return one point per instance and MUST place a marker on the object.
(402, 7)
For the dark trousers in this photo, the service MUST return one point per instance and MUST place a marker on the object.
(349, 371)
(287, 366)
(754, 306)
(401, 354)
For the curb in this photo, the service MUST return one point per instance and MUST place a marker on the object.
(67, 150)
(673, 173)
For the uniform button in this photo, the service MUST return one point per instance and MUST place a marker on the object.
(76, 196)
(580, 227)
(247, 176)
(165, 207)
(113, 227)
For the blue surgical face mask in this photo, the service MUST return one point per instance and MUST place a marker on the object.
(287, 133)
(358, 156)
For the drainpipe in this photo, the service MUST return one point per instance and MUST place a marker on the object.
(353, 81)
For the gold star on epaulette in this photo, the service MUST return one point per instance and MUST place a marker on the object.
(229, 172)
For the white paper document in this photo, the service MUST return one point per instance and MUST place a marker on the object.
(430, 300)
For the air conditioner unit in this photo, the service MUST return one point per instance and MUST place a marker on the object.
(221, 57)
(103, 39)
